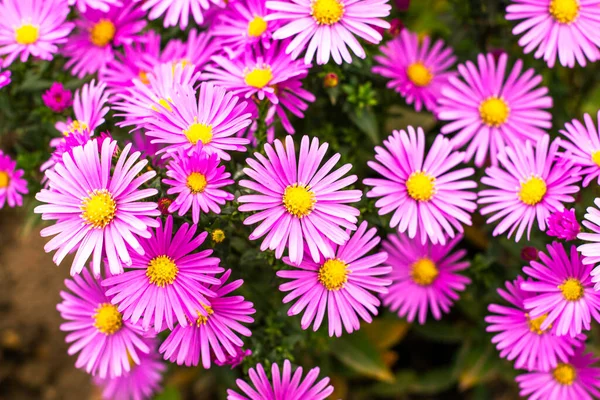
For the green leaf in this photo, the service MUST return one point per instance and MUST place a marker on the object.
(366, 121)
(169, 393)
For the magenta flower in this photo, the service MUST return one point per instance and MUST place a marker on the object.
(328, 27)
(284, 385)
(4, 78)
(216, 328)
(583, 147)
(563, 225)
(575, 379)
(416, 71)
(517, 336)
(197, 51)
(57, 98)
(424, 277)
(104, 341)
(177, 11)
(97, 211)
(341, 284)
(166, 280)
(236, 360)
(32, 27)
(421, 191)
(76, 137)
(90, 107)
(591, 251)
(102, 5)
(12, 184)
(566, 294)
(567, 29)
(489, 110)
(530, 184)
(299, 203)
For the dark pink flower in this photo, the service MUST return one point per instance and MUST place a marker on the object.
(563, 225)
(529, 253)
(57, 98)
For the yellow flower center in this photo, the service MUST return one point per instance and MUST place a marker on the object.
(108, 319)
(162, 271)
(165, 103)
(298, 200)
(196, 182)
(4, 179)
(564, 11)
(218, 236)
(596, 157)
(257, 26)
(27, 34)
(198, 132)
(202, 320)
(103, 32)
(75, 126)
(564, 374)
(420, 186)
(419, 74)
(143, 75)
(423, 271)
(98, 208)
(532, 191)
(494, 111)
(333, 274)
(259, 77)
(327, 12)
(572, 289)
(536, 323)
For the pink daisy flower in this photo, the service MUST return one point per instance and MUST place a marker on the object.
(66, 144)
(517, 336)
(425, 277)
(97, 211)
(421, 190)
(563, 225)
(90, 107)
(12, 184)
(216, 330)
(102, 5)
(416, 71)
(575, 379)
(167, 280)
(569, 29)
(530, 183)
(177, 11)
(32, 27)
(583, 147)
(4, 78)
(283, 385)
(299, 203)
(341, 284)
(566, 294)
(57, 98)
(97, 331)
(328, 27)
(591, 251)
(212, 118)
(489, 111)
(98, 33)
(196, 51)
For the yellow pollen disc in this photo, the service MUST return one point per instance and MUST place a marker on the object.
(4, 179)
(75, 126)
(27, 34)
(532, 191)
(419, 74)
(423, 271)
(327, 12)
(108, 319)
(298, 200)
(596, 157)
(162, 271)
(198, 132)
(536, 323)
(196, 182)
(143, 75)
(564, 374)
(99, 208)
(494, 111)
(165, 103)
(202, 320)
(420, 186)
(572, 289)
(257, 27)
(218, 236)
(259, 77)
(333, 274)
(564, 11)
(103, 32)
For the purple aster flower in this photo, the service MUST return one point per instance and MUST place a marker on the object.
(340, 284)
(517, 336)
(236, 360)
(328, 27)
(32, 27)
(177, 12)
(591, 251)
(416, 71)
(422, 191)
(563, 225)
(90, 107)
(12, 184)
(102, 5)
(489, 110)
(566, 293)
(57, 98)
(529, 184)
(299, 203)
(142, 143)
(283, 385)
(216, 328)
(4, 78)
(572, 380)
(567, 29)
(583, 147)
(197, 180)
(97, 331)
(98, 33)
(424, 275)
(166, 280)
(196, 51)
(97, 210)
(66, 144)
